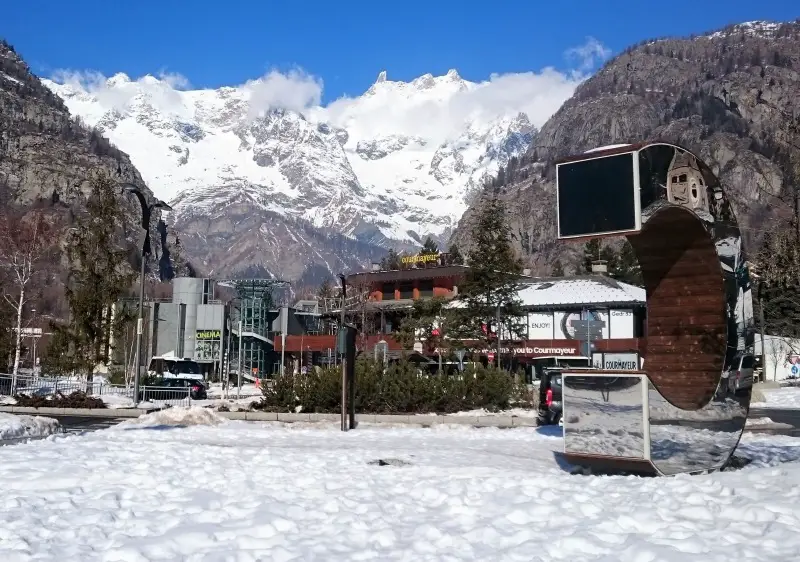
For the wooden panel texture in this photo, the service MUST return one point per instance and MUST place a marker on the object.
(686, 314)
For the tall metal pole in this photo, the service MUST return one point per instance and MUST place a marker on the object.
(221, 356)
(763, 334)
(497, 322)
(240, 358)
(239, 375)
(344, 356)
(284, 328)
(147, 210)
(139, 331)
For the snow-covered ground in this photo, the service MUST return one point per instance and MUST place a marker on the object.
(785, 397)
(150, 490)
(483, 412)
(16, 426)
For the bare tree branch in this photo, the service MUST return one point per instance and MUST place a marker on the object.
(25, 244)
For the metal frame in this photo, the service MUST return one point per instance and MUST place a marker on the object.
(637, 210)
(255, 301)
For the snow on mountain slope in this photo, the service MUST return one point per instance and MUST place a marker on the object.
(384, 169)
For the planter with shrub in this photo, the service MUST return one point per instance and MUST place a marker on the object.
(59, 400)
(399, 388)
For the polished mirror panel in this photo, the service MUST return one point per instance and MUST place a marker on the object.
(700, 312)
(604, 415)
(699, 356)
(699, 440)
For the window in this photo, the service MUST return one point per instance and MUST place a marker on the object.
(674, 179)
(682, 178)
(406, 290)
(747, 362)
(387, 291)
(426, 288)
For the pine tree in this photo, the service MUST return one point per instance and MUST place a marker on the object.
(558, 269)
(99, 276)
(326, 290)
(626, 266)
(591, 252)
(609, 255)
(455, 255)
(493, 277)
(429, 247)
(427, 322)
(391, 260)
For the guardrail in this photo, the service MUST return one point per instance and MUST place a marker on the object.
(44, 386)
(165, 395)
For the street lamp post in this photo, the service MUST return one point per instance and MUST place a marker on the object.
(147, 212)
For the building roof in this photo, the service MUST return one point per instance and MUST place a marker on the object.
(408, 274)
(574, 291)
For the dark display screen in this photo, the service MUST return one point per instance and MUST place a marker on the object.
(596, 196)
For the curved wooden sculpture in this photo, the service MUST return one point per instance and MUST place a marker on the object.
(686, 411)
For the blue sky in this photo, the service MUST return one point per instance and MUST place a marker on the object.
(345, 43)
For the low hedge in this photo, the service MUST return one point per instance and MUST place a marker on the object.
(398, 389)
(58, 400)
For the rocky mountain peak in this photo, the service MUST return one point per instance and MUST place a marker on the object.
(706, 93)
(313, 178)
(47, 155)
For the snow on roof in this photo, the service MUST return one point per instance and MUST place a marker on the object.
(578, 291)
(606, 147)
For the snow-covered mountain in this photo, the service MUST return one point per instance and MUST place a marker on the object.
(304, 191)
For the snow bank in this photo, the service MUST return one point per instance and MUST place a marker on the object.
(248, 390)
(117, 401)
(241, 405)
(785, 397)
(482, 412)
(275, 492)
(14, 426)
(178, 417)
(758, 421)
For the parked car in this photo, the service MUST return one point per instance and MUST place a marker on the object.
(550, 389)
(175, 368)
(740, 377)
(538, 365)
(174, 388)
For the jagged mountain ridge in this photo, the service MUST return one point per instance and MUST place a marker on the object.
(47, 157)
(703, 92)
(288, 191)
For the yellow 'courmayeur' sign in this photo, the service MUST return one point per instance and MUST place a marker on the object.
(422, 258)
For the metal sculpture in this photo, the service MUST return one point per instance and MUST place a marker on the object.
(686, 409)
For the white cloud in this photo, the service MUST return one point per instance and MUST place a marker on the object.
(588, 55)
(294, 90)
(119, 91)
(397, 108)
(436, 113)
(174, 79)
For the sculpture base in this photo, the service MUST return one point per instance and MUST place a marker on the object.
(619, 422)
